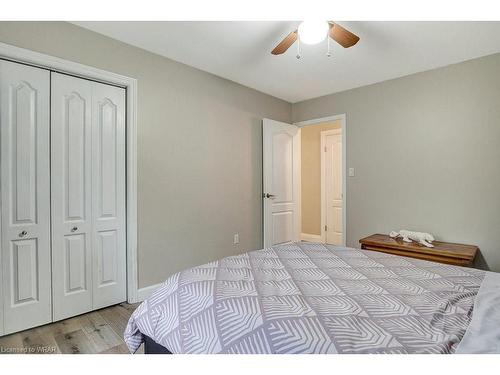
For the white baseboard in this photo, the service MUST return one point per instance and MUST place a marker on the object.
(145, 292)
(311, 237)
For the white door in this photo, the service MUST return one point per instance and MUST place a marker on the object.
(332, 186)
(88, 195)
(108, 195)
(280, 182)
(71, 129)
(25, 196)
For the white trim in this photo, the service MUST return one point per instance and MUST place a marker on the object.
(41, 60)
(296, 183)
(145, 292)
(343, 122)
(341, 117)
(298, 172)
(311, 237)
(323, 136)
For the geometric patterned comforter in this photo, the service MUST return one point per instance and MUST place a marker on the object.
(310, 298)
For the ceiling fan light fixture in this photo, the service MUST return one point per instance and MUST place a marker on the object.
(313, 32)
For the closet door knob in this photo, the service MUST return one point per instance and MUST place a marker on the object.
(74, 229)
(23, 233)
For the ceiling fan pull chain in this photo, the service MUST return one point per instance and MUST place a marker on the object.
(298, 49)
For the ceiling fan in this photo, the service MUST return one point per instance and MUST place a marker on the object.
(312, 32)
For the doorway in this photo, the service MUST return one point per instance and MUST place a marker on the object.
(322, 177)
(295, 205)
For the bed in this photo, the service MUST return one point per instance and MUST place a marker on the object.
(316, 298)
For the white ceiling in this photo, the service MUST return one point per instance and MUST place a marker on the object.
(240, 51)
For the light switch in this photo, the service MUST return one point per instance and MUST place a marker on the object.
(236, 238)
(351, 172)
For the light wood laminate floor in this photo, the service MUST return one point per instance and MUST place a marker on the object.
(97, 332)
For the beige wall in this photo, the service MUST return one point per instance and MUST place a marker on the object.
(311, 175)
(199, 148)
(426, 152)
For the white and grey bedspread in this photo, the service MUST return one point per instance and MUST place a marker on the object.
(310, 298)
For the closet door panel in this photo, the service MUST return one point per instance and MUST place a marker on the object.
(107, 253)
(24, 256)
(108, 143)
(71, 195)
(25, 196)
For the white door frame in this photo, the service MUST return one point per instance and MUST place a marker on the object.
(342, 118)
(41, 60)
(323, 136)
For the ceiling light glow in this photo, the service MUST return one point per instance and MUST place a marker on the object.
(313, 32)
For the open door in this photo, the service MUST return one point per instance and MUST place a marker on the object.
(281, 158)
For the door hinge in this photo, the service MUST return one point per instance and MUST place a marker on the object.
(325, 148)
(326, 228)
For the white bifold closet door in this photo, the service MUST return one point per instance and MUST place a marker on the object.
(109, 274)
(88, 195)
(25, 197)
(71, 195)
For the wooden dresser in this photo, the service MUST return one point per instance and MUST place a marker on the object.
(442, 252)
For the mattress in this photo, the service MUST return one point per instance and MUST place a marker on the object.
(311, 298)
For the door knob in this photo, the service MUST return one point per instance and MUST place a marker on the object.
(74, 229)
(270, 196)
(23, 233)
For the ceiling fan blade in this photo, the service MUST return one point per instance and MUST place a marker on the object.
(342, 36)
(285, 43)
